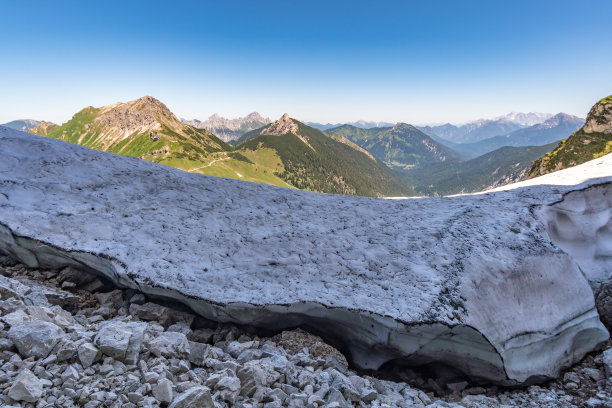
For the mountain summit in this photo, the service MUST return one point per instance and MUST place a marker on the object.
(143, 128)
(281, 127)
(121, 120)
(309, 159)
(591, 141)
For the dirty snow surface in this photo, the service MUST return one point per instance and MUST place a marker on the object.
(474, 281)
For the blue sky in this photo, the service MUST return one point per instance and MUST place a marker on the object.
(327, 61)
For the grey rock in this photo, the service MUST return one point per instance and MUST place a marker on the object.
(335, 395)
(88, 354)
(73, 275)
(16, 317)
(113, 339)
(35, 338)
(112, 299)
(93, 286)
(607, 362)
(170, 344)
(26, 387)
(571, 377)
(479, 401)
(162, 391)
(201, 335)
(121, 341)
(70, 373)
(180, 327)
(6, 344)
(593, 373)
(249, 355)
(134, 397)
(196, 397)
(235, 348)
(368, 395)
(197, 352)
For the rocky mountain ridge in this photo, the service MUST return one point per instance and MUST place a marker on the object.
(43, 128)
(402, 146)
(591, 141)
(21, 124)
(230, 129)
(553, 129)
(526, 119)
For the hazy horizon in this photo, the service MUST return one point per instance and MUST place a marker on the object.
(327, 63)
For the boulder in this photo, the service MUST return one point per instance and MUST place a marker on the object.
(196, 397)
(495, 285)
(603, 300)
(162, 391)
(120, 340)
(170, 344)
(88, 354)
(26, 387)
(36, 338)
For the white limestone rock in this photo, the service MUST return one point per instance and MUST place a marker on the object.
(26, 387)
(479, 282)
(196, 397)
(36, 338)
(162, 390)
(120, 340)
(170, 344)
(88, 354)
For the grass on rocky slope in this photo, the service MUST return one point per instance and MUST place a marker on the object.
(579, 148)
(402, 147)
(502, 166)
(329, 166)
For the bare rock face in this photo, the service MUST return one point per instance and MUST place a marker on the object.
(599, 118)
(141, 115)
(26, 387)
(476, 282)
(281, 127)
(230, 129)
(35, 338)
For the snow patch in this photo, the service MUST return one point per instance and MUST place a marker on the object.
(473, 281)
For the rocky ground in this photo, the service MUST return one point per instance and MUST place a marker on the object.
(68, 339)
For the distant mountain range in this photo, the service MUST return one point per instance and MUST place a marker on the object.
(43, 128)
(363, 124)
(229, 129)
(591, 141)
(285, 153)
(22, 124)
(526, 119)
(551, 130)
(309, 159)
(399, 159)
(502, 166)
(473, 131)
(400, 147)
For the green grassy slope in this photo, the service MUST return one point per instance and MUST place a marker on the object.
(401, 147)
(184, 147)
(579, 148)
(43, 129)
(330, 166)
(502, 166)
(587, 143)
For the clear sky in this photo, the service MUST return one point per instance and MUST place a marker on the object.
(326, 61)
